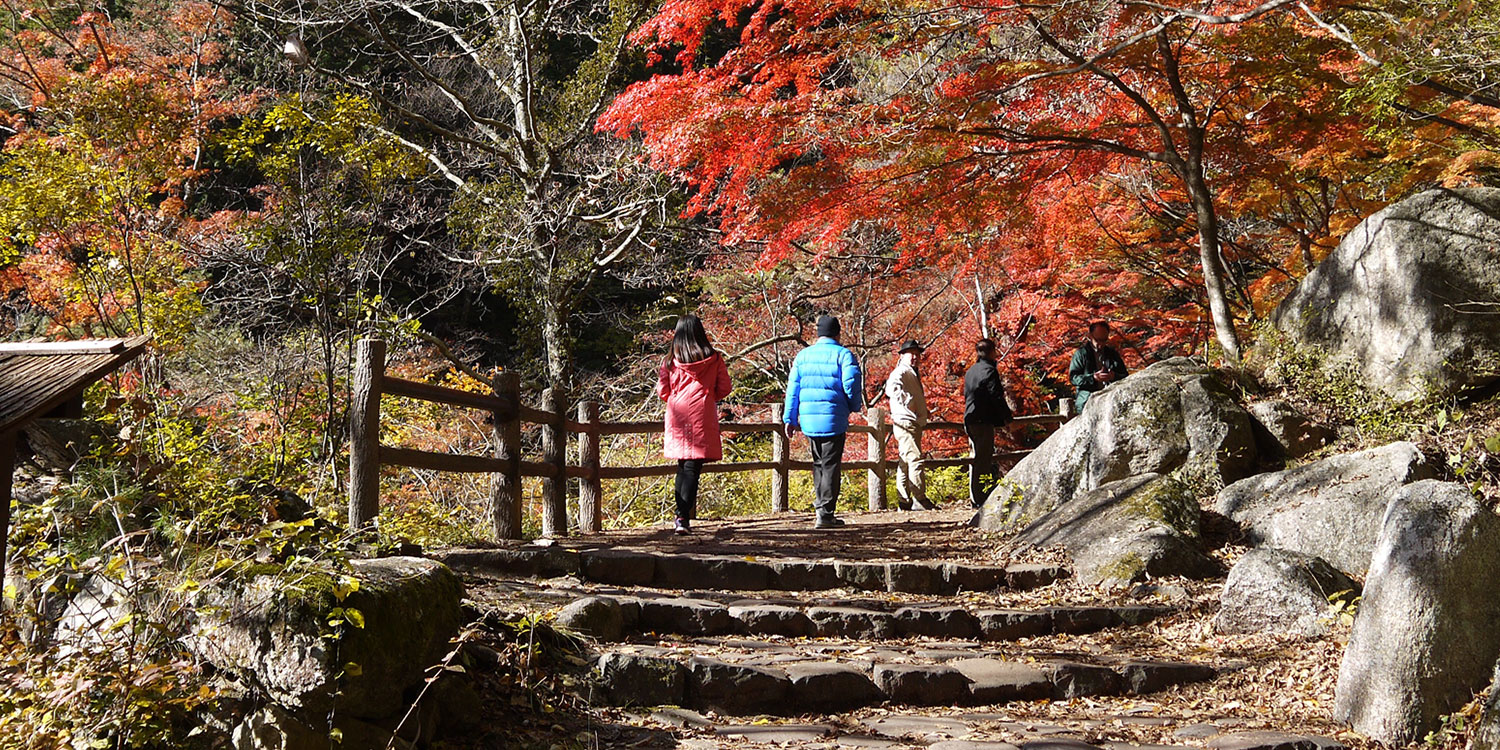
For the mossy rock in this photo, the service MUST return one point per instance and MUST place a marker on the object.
(296, 641)
(1122, 532)
(1174, 415)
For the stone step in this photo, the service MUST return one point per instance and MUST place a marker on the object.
(649, 677)
(609, 618)
(625, 567)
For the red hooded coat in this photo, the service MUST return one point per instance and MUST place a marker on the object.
(692, 391)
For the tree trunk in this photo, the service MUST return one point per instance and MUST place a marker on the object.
(1208, 254)
(555, 342)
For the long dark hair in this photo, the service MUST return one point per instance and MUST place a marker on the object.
(690, 341)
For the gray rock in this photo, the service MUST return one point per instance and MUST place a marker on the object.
(920, 727)
(921, 684)
(972, 745)
(777, 733)
(830, 687)
(681, 718)
(1407, 296)
(937, 622)
(1175, 415)
(685, 616)
(1143, 677)
(1277, 591)
(736, 689)
(995, 681)
(1057, 743)
(274, 638)
(594, 616)
(273, 728)
(1125, 531)
(529, 562)
(850, 622)
(1075, 680)
(641, 680)
(1330, 508)
(772, 619)
(1286, 432)
(1012, 624)
(1425, 639)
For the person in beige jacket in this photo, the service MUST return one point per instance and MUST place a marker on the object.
(908, 416)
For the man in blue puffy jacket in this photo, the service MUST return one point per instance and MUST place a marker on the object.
(824, 387)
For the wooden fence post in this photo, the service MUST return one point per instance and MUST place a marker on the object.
(505, 486)
(875, 479)
(780, 453)
(7, 469)
(555, 452)
(590, 488)
(364, 433)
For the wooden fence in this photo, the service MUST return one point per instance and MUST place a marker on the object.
(507, 414)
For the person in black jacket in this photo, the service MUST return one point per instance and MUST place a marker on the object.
(1096, 364)
(984, 410)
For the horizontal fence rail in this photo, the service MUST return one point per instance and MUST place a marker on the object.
(507, 467)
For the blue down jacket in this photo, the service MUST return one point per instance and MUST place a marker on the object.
(825, 385)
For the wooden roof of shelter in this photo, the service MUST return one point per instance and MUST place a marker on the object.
(36, 378)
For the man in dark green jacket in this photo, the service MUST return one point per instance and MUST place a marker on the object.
(1096, 364)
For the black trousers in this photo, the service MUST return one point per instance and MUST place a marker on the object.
(688, 470)
(981, 473)
(827, 455)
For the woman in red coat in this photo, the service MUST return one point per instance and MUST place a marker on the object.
(693, 380)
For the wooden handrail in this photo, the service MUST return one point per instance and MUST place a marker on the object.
(445, 395)
(508, 413)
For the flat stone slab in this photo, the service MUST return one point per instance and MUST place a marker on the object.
(830, 686)
(1142, 677)
(996, 681)
(1012, 624)
(641, 679)
(918, 726)
(971, 745)
(773, 619)
(776, 732)
(1057, 743)
(937, 622)
(1267, 740)
(619, 567)
(849, 622)
(692, 616)
(1077, 680)
(736, 689)
(921, 684)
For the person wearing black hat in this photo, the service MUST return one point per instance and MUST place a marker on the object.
(908, 416)
(1096, 364)
(825, 385)
(984, 410)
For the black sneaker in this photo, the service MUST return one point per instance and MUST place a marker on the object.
(682, 527)
(829, 523)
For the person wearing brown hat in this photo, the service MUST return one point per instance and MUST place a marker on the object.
(908, 416)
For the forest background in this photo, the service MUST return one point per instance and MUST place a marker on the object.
(542, 186)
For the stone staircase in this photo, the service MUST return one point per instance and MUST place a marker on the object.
(867, 648)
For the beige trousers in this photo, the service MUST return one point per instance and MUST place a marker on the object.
(911, 486)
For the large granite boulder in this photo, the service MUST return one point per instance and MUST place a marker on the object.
(1127, 530)
(1174, 416)
(1408, 297)
(1425, 639)
(1277, 591)
(1330, 508)
(275, 635)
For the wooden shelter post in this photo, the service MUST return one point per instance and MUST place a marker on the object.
(7, 474)
(364, 433)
